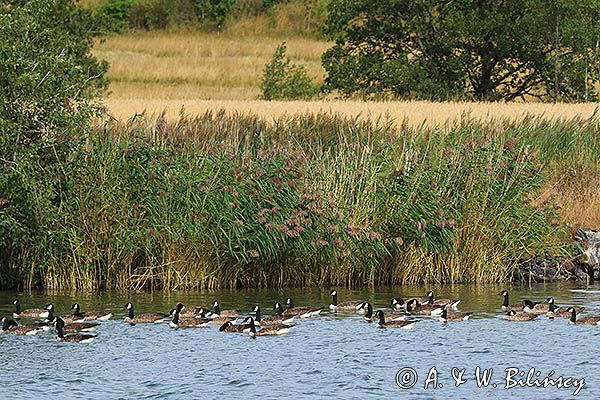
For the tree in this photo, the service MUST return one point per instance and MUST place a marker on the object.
(283, 80)
(49, 87)
(217, 10)
(479, 49)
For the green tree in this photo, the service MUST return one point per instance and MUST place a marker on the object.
(484, 50)
(217, 10)
(49, 84)
(283, 80)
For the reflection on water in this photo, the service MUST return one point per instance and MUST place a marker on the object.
(334, 355)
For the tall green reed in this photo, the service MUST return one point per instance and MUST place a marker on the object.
(222, 200)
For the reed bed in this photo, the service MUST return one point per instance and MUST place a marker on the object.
(231, 200)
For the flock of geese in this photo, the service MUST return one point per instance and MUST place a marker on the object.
(402, 314)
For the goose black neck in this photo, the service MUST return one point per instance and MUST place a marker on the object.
(50, 314)
(505, 301)
(6, 324)
(551, 306)
(176, 317)
(430, 298)
(573, 316)
(278, 309)
(381, 319)
(290, 303)
(76, 308)
(130, 312)
(334, 299)
(217, 309)
(444, 314)
(60, 331)
(252, 326)
(17, 307)
(257, 314)
(369, 312)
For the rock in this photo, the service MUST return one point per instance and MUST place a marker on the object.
(591, 243)
(583, 265)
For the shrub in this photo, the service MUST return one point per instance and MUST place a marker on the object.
(114, 15)
(49, 84)
(283, 80)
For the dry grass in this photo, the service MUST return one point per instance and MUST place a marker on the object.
(195, 65)
(413, 112)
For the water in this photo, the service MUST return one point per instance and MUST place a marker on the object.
(338, 356)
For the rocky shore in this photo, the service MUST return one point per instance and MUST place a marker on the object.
(583, 265)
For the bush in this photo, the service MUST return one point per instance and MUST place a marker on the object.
(49, 84)
(283, 80)
(113, 15)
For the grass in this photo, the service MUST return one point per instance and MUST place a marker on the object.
(220, 200)
(195, 65)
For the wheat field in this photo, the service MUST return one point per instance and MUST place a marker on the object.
(412, 112)
(177, 66)
(197, 71)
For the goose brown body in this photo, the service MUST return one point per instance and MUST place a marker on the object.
(11, 327)
(346, 306)
(74, 338)
(148, 318)
(90, 315)
(382, 323)
(302, 312)
(28, 313)
(276, 319)
(512, 315)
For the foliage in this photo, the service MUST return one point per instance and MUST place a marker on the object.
(216, 10)
(283, 80)
(114, 15)
(463, 49)
(49, 82)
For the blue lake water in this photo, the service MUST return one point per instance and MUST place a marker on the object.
(338, 356)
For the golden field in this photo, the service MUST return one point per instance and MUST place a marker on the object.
(412, 112)
(178, 66)
(156, 71)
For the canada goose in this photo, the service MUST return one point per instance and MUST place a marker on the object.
(148, 318)
(563, 313)
(178, 322)
(392, 324)
(352, 305)
(397, 303)
(505, 303)
(213, 319)
(302, 312)
(68, 319)
(268, 330)
(453, 303)
(29, 313)
(10, 326)
(454, 317)
(535, 308)
(413, 307)
(187, 311)
(588, 320)
(74, 338)
(369, 317)
(236, 328)
(224, 313)
(90, 315)
(276, 319)
(76, 327)
(512, 315)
